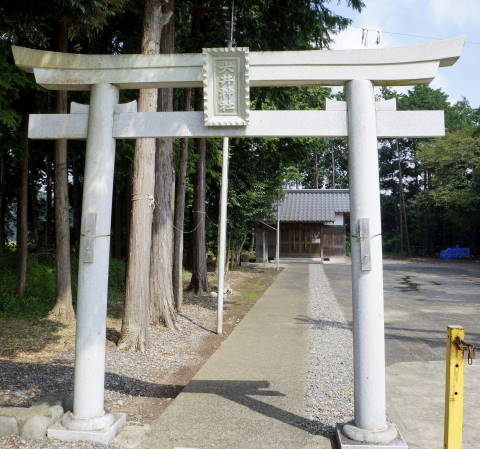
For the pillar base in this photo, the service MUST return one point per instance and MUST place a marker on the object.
(390, 438)
(69, 421)
(104, 435)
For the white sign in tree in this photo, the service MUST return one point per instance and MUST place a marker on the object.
(226, 75)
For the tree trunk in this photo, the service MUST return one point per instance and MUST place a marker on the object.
(3, 237)
(136, 311)
(404, 238)
(77, 200)
(48, 207)
(232, 258)
(333, 170)
(128, 213)
(63, 308)
(252, 242)
(117, 223)
(180, 216)
(33, 203)
(264, 248)
(238, 255)
(227, 259)
(199, 282)
(22, 221)
(162, 308)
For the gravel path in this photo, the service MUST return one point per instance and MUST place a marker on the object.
(330, 388)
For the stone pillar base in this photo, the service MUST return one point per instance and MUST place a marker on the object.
(103, 436)
(345, 442)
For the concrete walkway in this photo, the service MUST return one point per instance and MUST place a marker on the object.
(251, 393)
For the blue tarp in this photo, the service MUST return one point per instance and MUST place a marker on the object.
(455, 253)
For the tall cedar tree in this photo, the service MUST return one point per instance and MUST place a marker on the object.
(22, 217)
(199, 280)
(63, 308)
(180, 185)
(162, 308)
(135, 323)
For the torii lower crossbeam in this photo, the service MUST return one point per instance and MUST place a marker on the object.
(262, 124)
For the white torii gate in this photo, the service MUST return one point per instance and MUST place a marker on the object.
(226, 75)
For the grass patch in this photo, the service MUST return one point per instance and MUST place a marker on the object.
(41, 289)
(26, 328)
(252, 283)
(22, 338)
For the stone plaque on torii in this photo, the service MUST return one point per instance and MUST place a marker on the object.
(226, 76)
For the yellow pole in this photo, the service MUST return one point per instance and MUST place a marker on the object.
(454, 390)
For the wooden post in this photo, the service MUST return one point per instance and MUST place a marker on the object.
(264, 248)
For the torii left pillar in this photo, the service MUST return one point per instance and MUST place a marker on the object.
(89, 420)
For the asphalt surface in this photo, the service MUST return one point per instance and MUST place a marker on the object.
(421, 299)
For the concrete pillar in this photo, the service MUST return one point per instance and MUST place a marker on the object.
(222, 236)
(88, 411)
(370, 423)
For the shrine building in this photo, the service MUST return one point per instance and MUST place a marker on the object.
(312, 225)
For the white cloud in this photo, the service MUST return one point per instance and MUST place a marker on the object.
(458, 13)
(375, 16)
(411, 22)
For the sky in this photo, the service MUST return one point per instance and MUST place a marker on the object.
(433, 19)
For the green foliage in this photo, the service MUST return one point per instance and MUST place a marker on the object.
(34, 22)
(265, 25)
(40, 295)
(12, 81)
(454, 164)
(439, 179)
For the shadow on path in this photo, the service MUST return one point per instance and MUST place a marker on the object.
(242, 392)
(434, 338)
(35, 381)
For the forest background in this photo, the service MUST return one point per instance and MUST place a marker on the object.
(430, 188)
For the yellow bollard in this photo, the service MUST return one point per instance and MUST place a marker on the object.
(454, 390)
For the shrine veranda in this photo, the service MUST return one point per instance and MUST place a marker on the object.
(226, 76)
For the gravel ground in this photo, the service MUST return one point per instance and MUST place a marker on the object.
(133, 381)
(19, 443)
(330, 388)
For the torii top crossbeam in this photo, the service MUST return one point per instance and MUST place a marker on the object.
(401, 66)
(394, 66)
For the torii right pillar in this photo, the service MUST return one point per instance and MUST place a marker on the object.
(370, 424)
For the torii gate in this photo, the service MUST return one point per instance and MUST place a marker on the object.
(226, 74)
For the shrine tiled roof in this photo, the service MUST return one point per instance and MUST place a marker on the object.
(313, 205)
